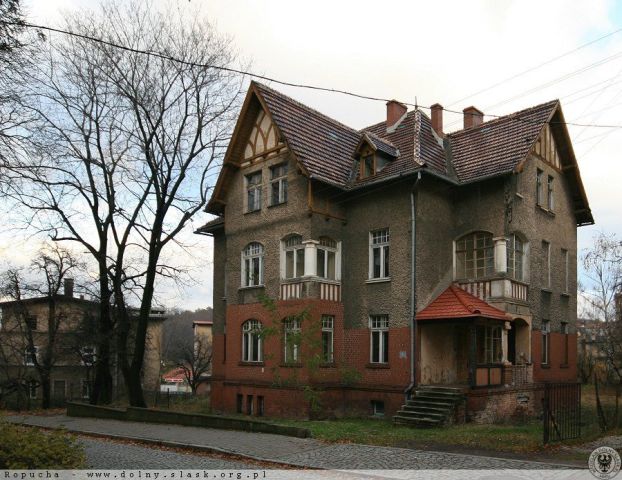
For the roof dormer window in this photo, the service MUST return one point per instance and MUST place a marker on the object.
(374, 154)
(368, 166)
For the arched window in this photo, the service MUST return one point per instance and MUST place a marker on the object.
(474, 255)
(252, 265)
(291, 339)
(294, 256)
(251, 341)
(516, 254)
(327, 258)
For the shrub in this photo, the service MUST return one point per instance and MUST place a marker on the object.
(29, 448)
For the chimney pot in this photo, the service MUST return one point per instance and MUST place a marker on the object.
(437, 118)
(472, 117)
(395, 111)
(69, 287)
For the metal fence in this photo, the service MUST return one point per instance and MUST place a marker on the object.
(561, 406)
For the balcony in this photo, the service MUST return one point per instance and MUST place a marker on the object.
(497, 289)
(321, 289)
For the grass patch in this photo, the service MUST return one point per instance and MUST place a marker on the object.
(510, 438)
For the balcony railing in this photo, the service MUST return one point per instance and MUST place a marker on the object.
(497, 288)
(312, 288)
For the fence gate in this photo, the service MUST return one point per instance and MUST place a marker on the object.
(561, 411)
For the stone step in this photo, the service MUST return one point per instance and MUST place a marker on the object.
(433, 388)
(433, 393)
(430, 403)
(419, 422)
(434, 415)
(425, 408)
(435, 399)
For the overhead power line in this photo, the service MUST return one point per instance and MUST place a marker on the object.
(266, 78)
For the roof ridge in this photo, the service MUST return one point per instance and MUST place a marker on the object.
(503, 118)
(382, 139)
(306, 107)
(384, 122)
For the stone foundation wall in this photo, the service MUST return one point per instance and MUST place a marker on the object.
(504, 404)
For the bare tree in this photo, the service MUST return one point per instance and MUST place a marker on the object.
(196, 361)
(602, 266)
(122, 156)
(42, 347)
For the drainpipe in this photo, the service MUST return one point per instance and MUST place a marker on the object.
(413, 286)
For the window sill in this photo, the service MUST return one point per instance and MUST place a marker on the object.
(248, 212)
(378, 280)
(545, 366)
(290, 365)
(565, 294)
(277, 204)
(546, 290)
(551, 213)
(251, 364)
(252, 287)
(377, 365)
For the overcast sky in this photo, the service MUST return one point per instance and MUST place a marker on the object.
(448, 52)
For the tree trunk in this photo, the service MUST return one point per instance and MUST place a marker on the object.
(102, 383)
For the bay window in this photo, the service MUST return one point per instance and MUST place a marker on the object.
(488, 344)
(326, 258)
(294, 257)
(474, 255)
(515, 255)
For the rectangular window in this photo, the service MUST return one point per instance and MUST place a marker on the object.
(326, 258)
(546, 329)
(565, 332)
(260, 406)
(377, 408)
(278, 184)
(367, 166)
(249, 405)
(294, 257)
(253, 192)
(31, 322)
(488, 344)
(549, 193)
(86, 388)
(291, 340)
(565, 266)
(379, 331)
(546, 265)
(539, 187)
(379, 254)
(239, 401)
(328, 324)
(30, 355)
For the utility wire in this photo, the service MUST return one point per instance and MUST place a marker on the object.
(275, 80)
(524, 72)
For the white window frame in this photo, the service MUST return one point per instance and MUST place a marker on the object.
(28, 356)
(546, 342)
(278, 181)
(550, 196)
(380, 240)
(516, 261)
(546, 260)
(486, 254)
(291, 347)
(328, 332)
(292, 243)
(329, 247)
(256, 188)
(566, 265)
(539, 187)
(254, 251)
(379, 324)
(493, 344)
(250, 329)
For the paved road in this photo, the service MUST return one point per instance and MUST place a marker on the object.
(302, 452)
(112, 455)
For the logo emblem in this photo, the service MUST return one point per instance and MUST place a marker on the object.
(604, 463)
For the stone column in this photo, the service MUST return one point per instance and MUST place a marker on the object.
(504, 343)
(501, 252)
(310, 257)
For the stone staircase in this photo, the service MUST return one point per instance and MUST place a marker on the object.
(430, 407)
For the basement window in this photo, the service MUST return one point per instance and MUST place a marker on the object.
(377, 408)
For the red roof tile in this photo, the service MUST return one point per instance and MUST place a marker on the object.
(454, 302)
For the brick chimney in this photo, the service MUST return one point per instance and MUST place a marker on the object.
(69, 287)
(395, 111)
(437, 118)
(472, 117)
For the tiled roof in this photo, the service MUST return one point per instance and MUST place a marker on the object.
(212, 225)
(454, 302)
(323, 145)
(497, 146)
(382, 144)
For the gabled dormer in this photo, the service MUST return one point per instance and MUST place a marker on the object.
(373, 154)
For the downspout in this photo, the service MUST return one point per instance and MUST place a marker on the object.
(413, 285)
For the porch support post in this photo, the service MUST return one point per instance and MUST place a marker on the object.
(472, 335)
(310, 257)
(501, 259)
(504, 343)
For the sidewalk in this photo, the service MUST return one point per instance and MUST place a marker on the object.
(277, 448)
